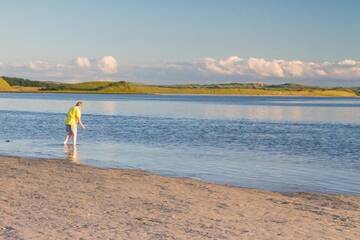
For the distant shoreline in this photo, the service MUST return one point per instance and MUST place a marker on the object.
(176, 94)
(8, 84)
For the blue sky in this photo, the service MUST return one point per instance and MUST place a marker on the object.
(168, 41)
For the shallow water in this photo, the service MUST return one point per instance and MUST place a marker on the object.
(275, 143)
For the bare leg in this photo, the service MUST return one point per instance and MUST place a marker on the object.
(74, 135)
(68, 135)
(66, 139)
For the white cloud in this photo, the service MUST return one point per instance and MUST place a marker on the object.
(266, 68)
(348, 62)
(208, 70)
(293, 68)
(261, 68)
(228, 66)
(39, 65)
(108, 64)
(320, 73)
(83, 62)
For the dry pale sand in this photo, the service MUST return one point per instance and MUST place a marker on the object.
(54, 199)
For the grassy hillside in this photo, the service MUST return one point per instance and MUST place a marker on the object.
(85, 86)
(4, 86)
(236, 89)
(289, 89)
(12, 81)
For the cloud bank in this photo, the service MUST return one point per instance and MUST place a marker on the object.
(293, 70)
(345, 72)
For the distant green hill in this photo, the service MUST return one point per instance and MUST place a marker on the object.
(289, 89)
(234, 89)
(13, 81)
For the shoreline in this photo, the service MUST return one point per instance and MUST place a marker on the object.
(179, 94)
(181, 177)
(57, 199)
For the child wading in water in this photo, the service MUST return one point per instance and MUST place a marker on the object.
(73, 118)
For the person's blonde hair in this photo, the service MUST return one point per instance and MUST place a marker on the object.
(79, 103)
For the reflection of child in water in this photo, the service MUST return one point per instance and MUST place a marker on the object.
(71, 153)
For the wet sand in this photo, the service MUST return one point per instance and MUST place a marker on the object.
(56, 199)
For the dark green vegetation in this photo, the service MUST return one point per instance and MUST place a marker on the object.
(13, 81)
(26, 85)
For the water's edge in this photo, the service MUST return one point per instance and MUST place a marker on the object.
(287, 193)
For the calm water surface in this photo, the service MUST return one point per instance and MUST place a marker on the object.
(275, 143)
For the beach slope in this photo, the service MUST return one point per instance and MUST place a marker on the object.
(56, 199)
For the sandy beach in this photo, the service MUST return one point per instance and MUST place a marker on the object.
(57, 199)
